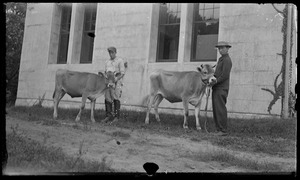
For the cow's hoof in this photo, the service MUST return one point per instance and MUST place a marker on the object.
(198, 128)
(77, 119)
(185, 127)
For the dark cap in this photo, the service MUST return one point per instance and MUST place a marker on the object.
(223, 44)
(112, 49)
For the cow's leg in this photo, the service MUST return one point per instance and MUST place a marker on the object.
(84, 96)
(186, 113)
(92, 110)
(197, 115)
(149, 104)
(57, 96)
(197, 112)
(157, 100)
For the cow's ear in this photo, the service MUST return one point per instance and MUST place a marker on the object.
(199, 69)
(100, 73)
(117, 74)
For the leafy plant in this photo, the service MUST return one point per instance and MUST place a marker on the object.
(15, 20)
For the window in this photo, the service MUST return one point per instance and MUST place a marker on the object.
(168, 32)
(89, 23)
(205, 31)
(66, 10)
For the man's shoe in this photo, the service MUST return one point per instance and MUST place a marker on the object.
(107, 119)
(114, 120)
(117, 106)
(108, 111)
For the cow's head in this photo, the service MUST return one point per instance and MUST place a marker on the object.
(110, 78)
(206, 71)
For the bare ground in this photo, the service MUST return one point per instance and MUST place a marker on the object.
(128, 149)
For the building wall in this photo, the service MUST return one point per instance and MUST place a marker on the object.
(255, 33)
(253, 30)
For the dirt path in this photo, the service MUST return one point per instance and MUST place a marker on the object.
(128, 150)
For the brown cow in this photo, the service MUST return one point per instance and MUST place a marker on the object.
(186, 87)
(81, 84)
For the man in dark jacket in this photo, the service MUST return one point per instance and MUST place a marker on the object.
(220, 88)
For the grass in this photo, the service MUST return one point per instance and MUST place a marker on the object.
(121, 134)
(25, 153)
(270, 136)
(228, 158)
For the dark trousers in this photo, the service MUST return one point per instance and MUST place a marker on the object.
(219, 99)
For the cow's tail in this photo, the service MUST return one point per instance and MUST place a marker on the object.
(145, 100)
(54, 88)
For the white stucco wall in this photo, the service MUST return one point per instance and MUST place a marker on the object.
(253, 30)
(255, 33)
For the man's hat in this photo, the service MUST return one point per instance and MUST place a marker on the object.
(222, 44)
(112, 49)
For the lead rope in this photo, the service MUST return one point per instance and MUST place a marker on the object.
(208, 88)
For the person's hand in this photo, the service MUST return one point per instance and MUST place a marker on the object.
(212, 80)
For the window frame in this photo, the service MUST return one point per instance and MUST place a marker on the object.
(91, 22)
(194, 22)
(164, 25)
(64, 32)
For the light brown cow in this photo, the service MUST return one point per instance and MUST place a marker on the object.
(81, 84)
(186, 87)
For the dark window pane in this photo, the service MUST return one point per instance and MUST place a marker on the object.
(93, 24)
(63, 50)
(204, 47)
(163, 14)
(199, 15)
(178, 16)
(169, 13)
(206, 28)
(66, 18)
(87, 45)
(168, 35)
(174, 18)
(163, 18)
(64, 34)
(86, 49)
(94, 15)
(87, 19)
(168, 43)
